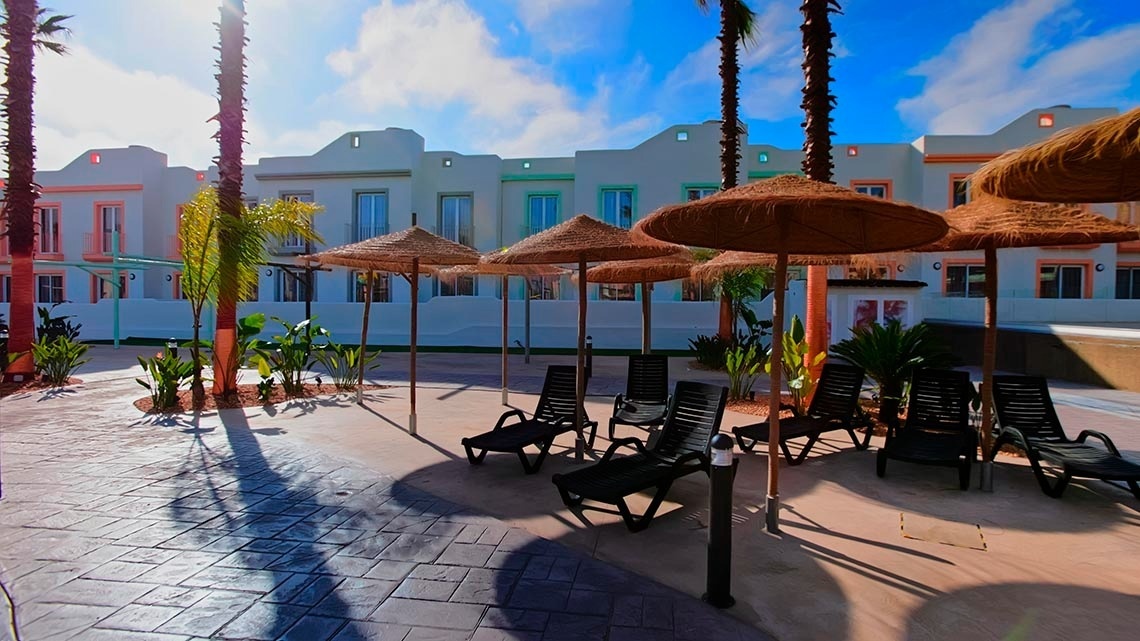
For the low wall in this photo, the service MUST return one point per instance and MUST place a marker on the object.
(1104, 357)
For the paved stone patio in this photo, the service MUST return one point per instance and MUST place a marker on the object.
(172, 532)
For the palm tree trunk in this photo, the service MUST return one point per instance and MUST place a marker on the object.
(231, 116)
(817, 164)
(729, 95)
(20, 191)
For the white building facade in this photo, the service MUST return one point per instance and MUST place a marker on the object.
(374, 182)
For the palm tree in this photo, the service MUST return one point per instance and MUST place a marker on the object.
(737, 25)
(24, 32)
(199, 233)
(817, 104)
(231, 117)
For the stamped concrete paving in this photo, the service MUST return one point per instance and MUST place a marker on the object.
(171, 532)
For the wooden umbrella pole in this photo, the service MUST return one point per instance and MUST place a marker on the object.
(506, 312)
(989, 350)
(579, 407)
(364, 338)
(772, 506)
(646, 300)
(412, 346)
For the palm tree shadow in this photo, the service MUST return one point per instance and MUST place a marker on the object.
(288, 520)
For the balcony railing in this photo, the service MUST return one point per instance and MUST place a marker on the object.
(356, 233)
(291, 245)
(461, 234)
(99, 243)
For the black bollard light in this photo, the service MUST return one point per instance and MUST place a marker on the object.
(719, 571)
(172, 345)
(589, 357)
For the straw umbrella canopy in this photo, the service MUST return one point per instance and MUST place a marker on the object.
(406, 253)
(990, 224)
(733, 261)
(484, 268)
(791, 215)
(644, 272)
(1094, 163)
(581, 240)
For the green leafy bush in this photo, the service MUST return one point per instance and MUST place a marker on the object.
(58, 358)
(890, 355)
(710, 351)
(166, 373)
(343, 363)
(266, 385)
(795, 365)
(291, 354)
(743, 365)
(55, 326)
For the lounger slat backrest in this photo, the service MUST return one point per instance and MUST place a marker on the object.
(939, 400)
(648, 378)
(694, 417)
(559, 393)
(837, 393)
(1023, 403)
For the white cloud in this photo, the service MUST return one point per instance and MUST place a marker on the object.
(438, 55)
(568, 26)
(770, 78)
(1004, 66)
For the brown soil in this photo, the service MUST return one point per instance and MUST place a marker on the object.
(759, 407)
(8, 389)
(246, 397)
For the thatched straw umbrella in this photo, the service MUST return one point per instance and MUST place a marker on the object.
(990, 224)
(1094, 163)
(734, 261)
(791, 215)
(644, 272)
(485, 268)
(581, 240)
(406, 253)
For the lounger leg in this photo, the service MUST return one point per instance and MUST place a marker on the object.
(747, 447)
(1135, 487)
(593, 427)
(860, 444)
(543, 450)
(1054, 490)
(964, 475)
(568, 499)
(803, 452)
(881, 463)
(472, 458)
(639, 523)
(611, 429)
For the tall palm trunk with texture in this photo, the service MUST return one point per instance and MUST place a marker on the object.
(20, 191)
(231, 116)
(817, 164)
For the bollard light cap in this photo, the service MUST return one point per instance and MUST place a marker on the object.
(721, 442)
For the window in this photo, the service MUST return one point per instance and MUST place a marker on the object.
(965, 281)
(446, 162)
(542, 212)
(697, 193)
(354, 141)
(545, 287)
(882, 271)
(693, 289)
(95, 158)
(290, 286)
(252, 294)
(5, 288)
(959, 189)
(47, 218)
(294, 241)
(381, 287)
(682, 136)
(455, 225)
(617, 291)
(176, 292)
(1128, 281)
(1045, 121)
(456, 285)
(371, 215)
(110, 221)
(102, 288)
(617, 207)
(875, 189)
(49, 288)
(526, 164)
(865, 311)
(763, 157)
(1061, 281)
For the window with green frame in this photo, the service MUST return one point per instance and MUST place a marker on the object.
(617, 207)
(697, 193)
(542, 212)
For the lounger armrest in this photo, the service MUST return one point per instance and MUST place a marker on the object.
(623, 442)
(1017, 437)
(1099, 435)
(503, 419)
(692, 456)
(619, 403)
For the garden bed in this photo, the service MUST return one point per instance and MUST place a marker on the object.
(8, 389)
(247, 396)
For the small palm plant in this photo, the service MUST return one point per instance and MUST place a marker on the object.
(890, 355)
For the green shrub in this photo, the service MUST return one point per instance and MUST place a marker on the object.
(265, 387)
(343, 363)
(890, 355)
(58, 358)
(795, 365)
(710, 351)
(165, 373)
(55, 326)
(743, 365)
(291, 354)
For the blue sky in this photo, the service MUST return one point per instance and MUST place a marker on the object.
(544, 77)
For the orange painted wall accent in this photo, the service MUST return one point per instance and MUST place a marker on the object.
(1130, 246)
(81, 189)
(960, 261)
(176, 248)
(1087, 264)
(890, 185)
(1076, 247)
(942, 159)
